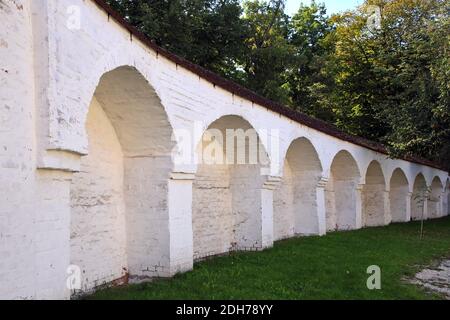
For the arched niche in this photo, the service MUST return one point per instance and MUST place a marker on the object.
(342, 195)
(119, 206)
(435, 201)
(375, 208)
(399, 197)
(228, 202)
(295, 200)
(447, 197)
(419, 198)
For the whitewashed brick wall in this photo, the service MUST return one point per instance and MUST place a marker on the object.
(400, 197)
(48, 76)
(212, 215)
(283, 214)
(375, 206)
(19, 216)
(98, 221)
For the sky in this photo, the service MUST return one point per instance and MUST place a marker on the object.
(333, 6)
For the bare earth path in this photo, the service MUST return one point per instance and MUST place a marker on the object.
(436, 278)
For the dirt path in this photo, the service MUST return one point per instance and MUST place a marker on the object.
(436, 278)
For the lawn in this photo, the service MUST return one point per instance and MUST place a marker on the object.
(330, 267)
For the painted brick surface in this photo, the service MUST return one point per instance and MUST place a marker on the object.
(164, 212)
(98, 222)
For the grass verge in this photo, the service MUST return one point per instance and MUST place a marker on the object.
(330, 267)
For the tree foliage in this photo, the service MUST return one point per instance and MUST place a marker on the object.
(389, 84)
(210, 33)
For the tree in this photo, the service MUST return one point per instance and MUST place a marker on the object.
(388, 84)
(207, 32)
(309, 83)
(414, 60)
(391, 84)
(268, 52)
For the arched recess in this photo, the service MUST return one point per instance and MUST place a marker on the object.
(435, 199)
(399, 197)
(119, 210)
(228, 205)
(419, 198)
(342, 194)
(295, 200)
(375, 206)
(447, 196)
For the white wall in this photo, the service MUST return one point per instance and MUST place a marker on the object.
(419, 199)
(283, 215)
(375, 206)
(227, 198)
(297, 207)
(400, 198)
(48, 75)
(98, 213)
(343, 190)
(435, 200)
(212, 213)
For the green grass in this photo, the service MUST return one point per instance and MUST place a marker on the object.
(331, 267)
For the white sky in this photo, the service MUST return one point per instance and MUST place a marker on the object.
(333, 6)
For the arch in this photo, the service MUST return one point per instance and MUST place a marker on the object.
(228, 208)
(399, 197)
(447, 198)
(119, 197)
(375, 209)
(295, 200)
(419, 198)
(435, 202)
(211, 122)
(342, 196)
